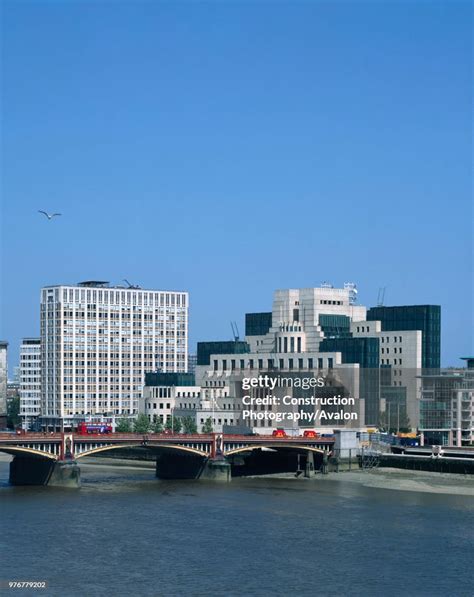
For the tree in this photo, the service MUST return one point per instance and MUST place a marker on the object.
(395, 419)
(157, 426)
(123, 426)
(207, 427)
(141, 424)
(13, 413)
(173, 424)
(189, 425)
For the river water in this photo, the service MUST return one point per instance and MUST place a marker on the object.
(126, 533)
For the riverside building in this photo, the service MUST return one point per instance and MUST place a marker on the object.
(323, 330)
(447, 406)
(30, 381)
(97, 343)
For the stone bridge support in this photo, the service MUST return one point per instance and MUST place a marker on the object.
(26, 470)
(216, 469)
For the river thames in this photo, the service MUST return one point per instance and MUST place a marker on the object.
(126, 533)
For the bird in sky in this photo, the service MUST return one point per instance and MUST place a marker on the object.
(49, 216)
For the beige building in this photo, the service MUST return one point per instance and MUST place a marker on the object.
(97, 343)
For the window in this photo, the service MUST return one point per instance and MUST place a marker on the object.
(330, 363)
(320, 363)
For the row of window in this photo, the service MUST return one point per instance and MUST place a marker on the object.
(272, 363)
(113, 296)
(395, 350)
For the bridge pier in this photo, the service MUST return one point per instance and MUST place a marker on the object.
(216, 469)
(38, 471)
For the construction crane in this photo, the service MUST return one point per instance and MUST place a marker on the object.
(381, 296)
(131, 286)
(235, 331)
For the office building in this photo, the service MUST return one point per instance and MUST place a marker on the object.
(426, 318)
(30, 382)
(288, 341)
(97, 343)
(324, 328)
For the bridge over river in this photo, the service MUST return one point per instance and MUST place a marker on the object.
(53, 459)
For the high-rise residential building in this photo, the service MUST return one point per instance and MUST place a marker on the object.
(3, 383)
(30, 381)
(97, 343)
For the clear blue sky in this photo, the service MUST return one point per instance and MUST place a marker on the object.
(230, 148)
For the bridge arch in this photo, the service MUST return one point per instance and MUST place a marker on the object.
(149, 445)
(23, 451)
(273, 447)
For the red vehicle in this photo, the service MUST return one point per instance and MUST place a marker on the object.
(93, 428)
(279, 433)
(310, 433)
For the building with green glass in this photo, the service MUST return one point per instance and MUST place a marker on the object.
(206, 349)
(257, 324)
(365, 352)
(426, 318)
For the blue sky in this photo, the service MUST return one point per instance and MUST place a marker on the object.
(232, 148)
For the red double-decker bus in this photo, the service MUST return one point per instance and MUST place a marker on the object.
(93, 428)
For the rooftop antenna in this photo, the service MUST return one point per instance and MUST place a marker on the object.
(235, 331)
(381, 296)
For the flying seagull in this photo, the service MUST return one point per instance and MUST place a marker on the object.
(49, 216)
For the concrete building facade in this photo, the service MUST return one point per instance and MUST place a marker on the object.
(30, 381)
(322, 329)
(97, 343)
